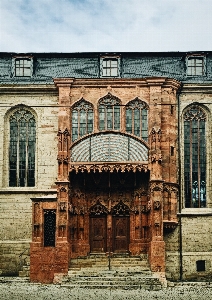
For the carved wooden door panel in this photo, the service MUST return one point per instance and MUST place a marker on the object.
(98, 234)
(120, 234)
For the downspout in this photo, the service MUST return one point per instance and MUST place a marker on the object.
(179, 180)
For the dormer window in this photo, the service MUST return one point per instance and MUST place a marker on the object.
(110, 66)
(22, 66)
(195, 65)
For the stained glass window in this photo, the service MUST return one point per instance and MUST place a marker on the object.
(109, 113)
(195, 157)
(137, 118)
(22, 148)
(82, 119)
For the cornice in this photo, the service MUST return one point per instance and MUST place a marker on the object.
(197, 88)
(28, 89)
(117, 82)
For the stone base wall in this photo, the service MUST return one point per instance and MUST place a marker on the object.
(13, 255)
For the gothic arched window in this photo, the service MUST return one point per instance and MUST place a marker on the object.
(22, 148)
(109, 113)
(82, 119)
(195, 157)
(137, 118)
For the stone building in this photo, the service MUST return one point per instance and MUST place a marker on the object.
(106, 152)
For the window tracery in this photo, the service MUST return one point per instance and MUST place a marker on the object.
(109, 113)
(137, 118)
(82, 119)
(195, 156)
(22, 148)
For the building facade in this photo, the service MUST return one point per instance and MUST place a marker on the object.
(106, 153)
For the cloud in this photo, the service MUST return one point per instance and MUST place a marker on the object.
(105, 25)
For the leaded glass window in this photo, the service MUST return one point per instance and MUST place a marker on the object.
(82, 119)
(137, 118)
(195, 157)
(22, 148)
(109, 113)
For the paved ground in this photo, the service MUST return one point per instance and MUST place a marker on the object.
(11, 289)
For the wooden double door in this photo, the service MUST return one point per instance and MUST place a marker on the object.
(115, 239)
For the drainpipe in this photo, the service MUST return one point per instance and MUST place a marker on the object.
(179, 180)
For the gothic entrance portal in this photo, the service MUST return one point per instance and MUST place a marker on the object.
(98, 228)
(120, 228)
(106, 212)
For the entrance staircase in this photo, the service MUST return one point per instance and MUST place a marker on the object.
(120, 271)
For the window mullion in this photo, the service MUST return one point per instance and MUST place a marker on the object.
(191, 158)
(18, 159)
(133, 121)
(140, 122)
(78, 121)
(113, 117)
(198, 155)
(27, 156)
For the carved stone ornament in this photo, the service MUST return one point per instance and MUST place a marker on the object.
(62, 206)
(98, 209)
(156, 134)
(63, 189)
(78, 194)
(121, 209)
(156, 205)
(156, 186)
(171, 187)
(156, 158)
(100, 167)
(62, 159)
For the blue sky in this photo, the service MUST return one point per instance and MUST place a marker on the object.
(105, 25)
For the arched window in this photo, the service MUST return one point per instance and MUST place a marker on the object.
(82, 119)
(22, 148)
(195, 157)
(109, 113)
(137, 118)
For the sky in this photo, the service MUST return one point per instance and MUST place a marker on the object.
(105, 25)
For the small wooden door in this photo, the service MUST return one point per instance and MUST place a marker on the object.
(98, 234)
(120, 233)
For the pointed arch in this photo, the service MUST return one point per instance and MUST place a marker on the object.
(195, 119)
(121, 209)
(22, 146)
(109, 112)
(82, 119)
(137, 118)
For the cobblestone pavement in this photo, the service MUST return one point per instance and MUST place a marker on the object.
(11, 289)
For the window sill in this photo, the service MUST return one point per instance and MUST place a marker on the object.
(196, 212)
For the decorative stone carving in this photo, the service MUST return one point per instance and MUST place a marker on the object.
(157, 157)
(156, 134)
(63, 189)
(62, 159)
(156, 186)
(121, 209)
(78, 194)
(98, 209)
(100, 167)
(62, 206)
(157, 205)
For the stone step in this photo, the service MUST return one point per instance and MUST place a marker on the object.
(95, 273)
